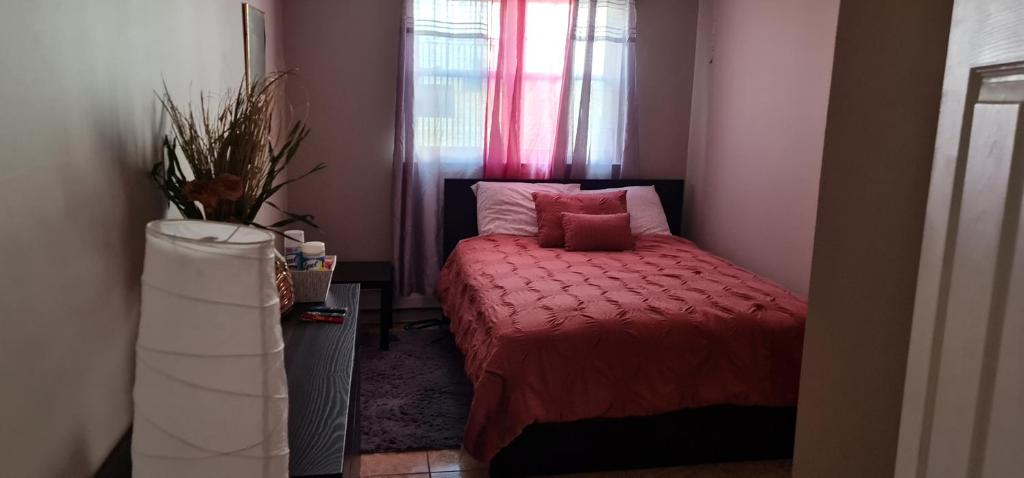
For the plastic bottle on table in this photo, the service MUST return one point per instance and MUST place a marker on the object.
(313, 255)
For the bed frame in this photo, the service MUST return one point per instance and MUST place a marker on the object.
(701, 435)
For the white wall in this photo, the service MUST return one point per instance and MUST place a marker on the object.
(760, 98)
(879, 139)
(79, 130)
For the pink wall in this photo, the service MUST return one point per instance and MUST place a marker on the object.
(667, 33)
(760, 102)
(347, 56)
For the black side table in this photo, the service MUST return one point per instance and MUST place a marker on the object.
(378, 275)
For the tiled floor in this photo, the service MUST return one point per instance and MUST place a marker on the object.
(435, 464)
(456, 463)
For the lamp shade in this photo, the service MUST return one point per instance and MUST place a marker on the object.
(211, 397)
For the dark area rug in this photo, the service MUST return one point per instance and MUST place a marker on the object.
(416, 395)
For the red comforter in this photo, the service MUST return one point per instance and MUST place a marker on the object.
(555, 336)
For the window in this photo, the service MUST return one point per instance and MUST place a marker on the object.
(471, 78)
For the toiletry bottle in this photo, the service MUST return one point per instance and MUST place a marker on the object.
(313, 254)
(293, 239)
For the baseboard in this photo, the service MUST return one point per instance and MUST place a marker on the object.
(417, 301)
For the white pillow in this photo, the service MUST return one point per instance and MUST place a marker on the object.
(507, 208)
(646, 216)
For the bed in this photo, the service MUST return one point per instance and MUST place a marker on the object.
(661, 355)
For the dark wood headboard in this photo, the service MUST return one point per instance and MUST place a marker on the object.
(460, 203)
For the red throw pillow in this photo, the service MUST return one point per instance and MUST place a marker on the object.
(597, 232)
(551, 206)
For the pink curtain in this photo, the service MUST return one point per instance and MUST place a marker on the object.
(527, 88)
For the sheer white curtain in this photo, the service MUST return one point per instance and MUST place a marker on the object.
(600, 122)
(450, 42)
(506, 89)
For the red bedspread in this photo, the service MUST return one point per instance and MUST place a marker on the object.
(556, 336)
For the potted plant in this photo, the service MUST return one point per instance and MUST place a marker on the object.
(235, 160)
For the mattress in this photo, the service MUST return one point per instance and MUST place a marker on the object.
(556, 336)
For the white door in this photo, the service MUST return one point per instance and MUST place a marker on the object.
(963, 404)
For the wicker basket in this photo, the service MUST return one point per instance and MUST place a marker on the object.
(312, 286)
(283, 280)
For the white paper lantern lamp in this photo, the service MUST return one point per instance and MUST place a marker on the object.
(211, 397)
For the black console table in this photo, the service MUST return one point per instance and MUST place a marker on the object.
(323, 389)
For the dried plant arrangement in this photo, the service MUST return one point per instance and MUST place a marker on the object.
(233, 153)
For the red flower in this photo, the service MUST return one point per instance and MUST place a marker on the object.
(228, 186)
(201, 190)
(210, 193)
